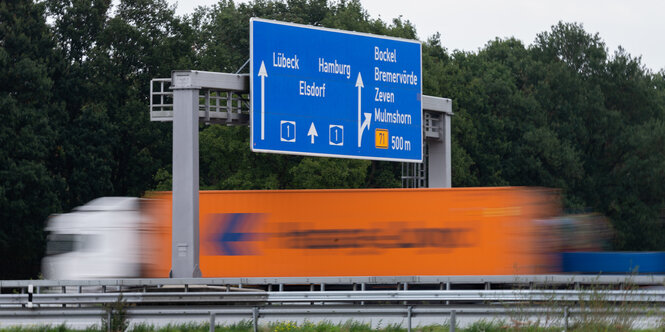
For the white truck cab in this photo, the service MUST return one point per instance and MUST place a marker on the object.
(100, 239)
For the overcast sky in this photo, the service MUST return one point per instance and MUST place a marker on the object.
(637, 25)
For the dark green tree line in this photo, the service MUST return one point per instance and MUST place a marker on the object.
(29, 189)
(562, 112)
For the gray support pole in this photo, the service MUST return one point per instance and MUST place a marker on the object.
(255, 319)
(212, 322)
(447, 166)
(409, 316)
(447, 288)
(185, 230)
(453, 321)
(439, 167)
(362, 289)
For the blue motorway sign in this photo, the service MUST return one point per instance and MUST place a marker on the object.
(324, 92)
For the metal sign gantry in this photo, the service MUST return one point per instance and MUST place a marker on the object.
(214, 97)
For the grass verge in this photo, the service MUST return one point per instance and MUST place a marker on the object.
(351, 326)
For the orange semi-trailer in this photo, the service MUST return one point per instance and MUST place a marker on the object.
(382, 232)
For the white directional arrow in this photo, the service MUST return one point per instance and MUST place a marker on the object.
(368, 116)
(263, 73)
(312, 132)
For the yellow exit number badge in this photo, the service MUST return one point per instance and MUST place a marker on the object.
(381, 138)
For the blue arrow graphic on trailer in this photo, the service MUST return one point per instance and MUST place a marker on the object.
(231, 234)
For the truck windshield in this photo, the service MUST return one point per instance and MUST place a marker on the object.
(59, 244)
